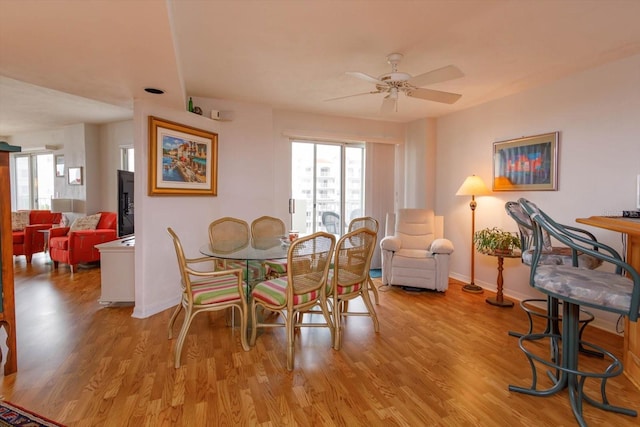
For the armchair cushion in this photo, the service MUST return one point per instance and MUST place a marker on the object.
(19, 220)
(85, 223)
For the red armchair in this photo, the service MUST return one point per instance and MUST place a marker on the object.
(29, 241)
(78, 246)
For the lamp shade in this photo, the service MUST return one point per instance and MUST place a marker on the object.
(472, 186)
(61, 205)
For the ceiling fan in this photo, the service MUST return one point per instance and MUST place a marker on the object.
(395, 82)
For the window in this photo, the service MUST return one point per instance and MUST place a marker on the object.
(126, 159)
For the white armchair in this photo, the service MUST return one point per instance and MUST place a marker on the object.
(414, 253)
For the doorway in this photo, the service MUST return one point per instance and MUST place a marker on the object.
(327, 184)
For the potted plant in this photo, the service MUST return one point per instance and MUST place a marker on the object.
(495, 240)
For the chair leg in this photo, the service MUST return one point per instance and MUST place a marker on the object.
(243, 328)
(570, 346)
(254, 323)
(552, 325)
(188, 317)
(372, 311)
(372, 287)
(337, 323)
(327, 317)
(172, 321)
(290, 322)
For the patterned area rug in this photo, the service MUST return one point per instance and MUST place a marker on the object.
(13, 415)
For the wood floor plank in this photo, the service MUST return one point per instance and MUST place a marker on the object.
(442, 359)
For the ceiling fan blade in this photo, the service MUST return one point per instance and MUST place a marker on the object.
(389, 105)
(351, 96)
(449, 72)
(366, 77)
(434, 95)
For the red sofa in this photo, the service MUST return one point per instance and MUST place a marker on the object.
(29, 241)
(75, 247)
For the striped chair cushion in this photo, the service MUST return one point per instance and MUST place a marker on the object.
(342, 290)
(276, 266)
(274, 292)
(214, 290)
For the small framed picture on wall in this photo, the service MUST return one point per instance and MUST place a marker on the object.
(59, 165)
(75, 176)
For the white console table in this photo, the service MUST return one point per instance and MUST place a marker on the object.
(117, 270)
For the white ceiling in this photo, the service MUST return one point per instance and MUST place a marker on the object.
(67, 61)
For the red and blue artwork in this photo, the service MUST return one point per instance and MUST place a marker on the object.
(527, 164)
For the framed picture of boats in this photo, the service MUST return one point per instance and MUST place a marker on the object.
(183, 161)
(526, 164)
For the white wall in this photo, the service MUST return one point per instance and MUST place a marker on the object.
(598, 116)
(92, 172)
(112, 136)
(420, 165)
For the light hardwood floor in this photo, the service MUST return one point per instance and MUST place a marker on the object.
(439, 360)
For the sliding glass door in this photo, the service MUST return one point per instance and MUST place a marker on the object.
(327, 185)
(33, 181)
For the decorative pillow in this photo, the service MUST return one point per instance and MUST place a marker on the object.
(85, 223)
(19, 220)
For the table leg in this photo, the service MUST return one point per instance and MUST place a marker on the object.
(499, 299)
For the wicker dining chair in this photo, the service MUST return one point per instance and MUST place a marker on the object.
(203, 290)
(371, 224)
(228, 235)
(349, 278)
(303, 288)
(267, 231)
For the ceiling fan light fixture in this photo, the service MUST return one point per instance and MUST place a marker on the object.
(397, 81)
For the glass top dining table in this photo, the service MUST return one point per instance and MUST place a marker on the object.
(256, 250)
(252, 256)
(249, 255)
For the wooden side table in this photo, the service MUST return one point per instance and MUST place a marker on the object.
(499, 300)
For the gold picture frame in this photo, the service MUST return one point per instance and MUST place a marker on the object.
(183, 161)
(526, 164)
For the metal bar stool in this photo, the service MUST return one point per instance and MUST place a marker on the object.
(576, 287)
(551, 255)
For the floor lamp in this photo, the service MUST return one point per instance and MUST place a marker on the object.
(472, 186)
